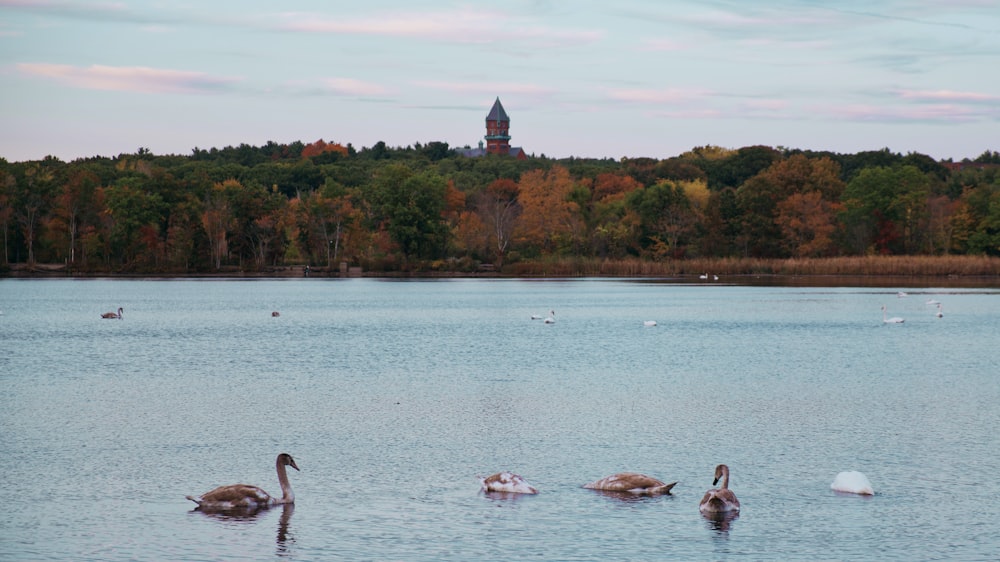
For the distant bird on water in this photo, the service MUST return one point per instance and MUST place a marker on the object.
(893, 320)
(117, 316)
(275, 314)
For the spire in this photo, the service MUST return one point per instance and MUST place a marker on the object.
(497, 113)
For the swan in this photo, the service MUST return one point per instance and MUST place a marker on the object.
(939, 314)
(703, 276)
(902, 295)
(932, 302)
(551, 318)
(117, 316)
(893, 320)
(506, 482)
(649, 323)
(243, 496)
(632, 483)
(715, 277)
(852, 482)
(275, 314)
(721, 499)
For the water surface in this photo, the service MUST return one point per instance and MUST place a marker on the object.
(394, 395)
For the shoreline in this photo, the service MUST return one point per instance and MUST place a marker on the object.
(783, 278)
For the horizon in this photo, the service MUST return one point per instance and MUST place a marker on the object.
(582, 79)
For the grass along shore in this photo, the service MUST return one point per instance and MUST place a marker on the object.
(952, 271)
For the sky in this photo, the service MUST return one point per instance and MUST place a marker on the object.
(582, 78)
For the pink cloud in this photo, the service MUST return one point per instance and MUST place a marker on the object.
(946, 95)
(669, 95)
(128, 78)
(352, 87)
(454, 26)
(487, 87)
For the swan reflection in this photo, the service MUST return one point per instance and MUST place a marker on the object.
(249, 516)
(721, 521)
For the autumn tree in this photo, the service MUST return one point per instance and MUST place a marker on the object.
(548, 215)
(499, 211)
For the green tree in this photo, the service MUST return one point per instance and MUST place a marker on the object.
(411, 204)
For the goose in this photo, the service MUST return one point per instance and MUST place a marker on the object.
(893, 320)
(275, 314)
(649, 323)
(632, 483)
(506, 482)
(852, 482)
(117, 316)
(551, 318)
(244, 496)
(721, 499)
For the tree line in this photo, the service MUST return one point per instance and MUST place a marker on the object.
(424, 207)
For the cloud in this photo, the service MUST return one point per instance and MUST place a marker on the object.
(492, 88)
(669, 95)
(947, 95)
(929, 113)
(129, 78)
(453, 26)
(353, 87)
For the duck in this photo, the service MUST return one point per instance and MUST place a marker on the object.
(507, 482)
(117, 316)
(244, 496)
(721, 499)
(893, 320)
(632, 483)
(852, 482)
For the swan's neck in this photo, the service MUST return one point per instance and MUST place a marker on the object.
(287, 495)
(725, 478)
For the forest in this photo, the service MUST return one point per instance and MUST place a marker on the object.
(424, 208)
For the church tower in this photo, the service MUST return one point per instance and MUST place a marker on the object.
(497, 127)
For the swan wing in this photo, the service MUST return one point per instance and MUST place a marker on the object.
(719, 500)
(234, 496)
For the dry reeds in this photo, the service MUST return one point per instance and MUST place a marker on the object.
(874, 266)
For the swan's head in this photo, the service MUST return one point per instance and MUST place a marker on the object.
(720, 471)
(286, 460)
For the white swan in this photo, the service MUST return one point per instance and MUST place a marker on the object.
(117, 316)
(649, 323)
(852, 482)
(721, 499)
(632, 483)
(902, 295)
(703, 276)
(244, 496)
(893, 320)
(551, 318)
(940, 313)
(932, 302)
(506, 482)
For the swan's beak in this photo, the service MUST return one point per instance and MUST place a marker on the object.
(716, 481)
(291, 463)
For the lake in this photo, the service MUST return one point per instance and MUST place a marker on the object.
(393, 396)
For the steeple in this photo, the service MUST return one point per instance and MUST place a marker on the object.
(497, 130)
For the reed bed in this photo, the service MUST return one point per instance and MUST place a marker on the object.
(875, 266)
